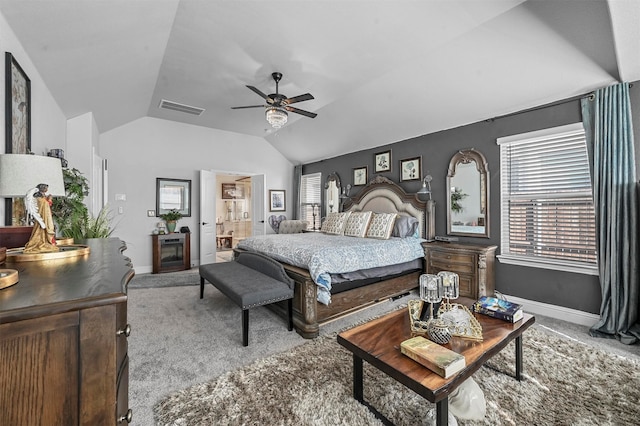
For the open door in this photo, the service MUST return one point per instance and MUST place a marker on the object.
(207, 217)
(257, 204)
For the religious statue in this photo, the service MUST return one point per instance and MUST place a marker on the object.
(38, 205)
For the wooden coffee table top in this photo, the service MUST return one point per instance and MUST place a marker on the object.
(378, 343)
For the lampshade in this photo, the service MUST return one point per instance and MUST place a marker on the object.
(21, 172)
(276, 116)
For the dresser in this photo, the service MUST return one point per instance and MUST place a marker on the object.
(474, 264)
(63, 340)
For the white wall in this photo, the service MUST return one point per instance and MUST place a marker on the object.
(145, 149)
(48, 123)
(82, 136)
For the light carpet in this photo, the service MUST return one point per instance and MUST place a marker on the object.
(565, 383)
(179, 340)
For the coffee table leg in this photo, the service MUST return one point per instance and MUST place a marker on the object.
(519, 358)
(442, 412)
(357, 378)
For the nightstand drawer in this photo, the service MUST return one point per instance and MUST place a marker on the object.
(452, 257)
(458, 268)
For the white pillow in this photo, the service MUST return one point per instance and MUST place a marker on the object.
(357, 224)
(381, 225)
(335, 222)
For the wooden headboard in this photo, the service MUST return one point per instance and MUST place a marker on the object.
(384, 196)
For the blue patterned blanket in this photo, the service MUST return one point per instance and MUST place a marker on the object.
(324, 254)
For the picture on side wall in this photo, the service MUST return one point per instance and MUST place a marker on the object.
(410, 169)
(360, 176)
(17, 129)
(382, 162)
(277, 200)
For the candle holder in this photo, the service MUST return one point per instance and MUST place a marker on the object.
(430, 293)
(450, 287)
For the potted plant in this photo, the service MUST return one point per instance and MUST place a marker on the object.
(456, 196)
(171, 218)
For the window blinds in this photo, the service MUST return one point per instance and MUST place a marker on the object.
(310, 194)
(546, 196)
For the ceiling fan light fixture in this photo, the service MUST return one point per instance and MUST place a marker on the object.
(276, 116)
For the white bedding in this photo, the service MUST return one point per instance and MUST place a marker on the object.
(325, 254)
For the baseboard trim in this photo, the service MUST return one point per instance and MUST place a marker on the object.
(558, 312)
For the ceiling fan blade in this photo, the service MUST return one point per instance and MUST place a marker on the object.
(262, 95)
(249, 106)
(301, 112)
(300, 98)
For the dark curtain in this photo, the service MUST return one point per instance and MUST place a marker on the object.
(609, 130)
(297, 176)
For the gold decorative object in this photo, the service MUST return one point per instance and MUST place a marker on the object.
(8, 277)
(64, 241)
(66, 252)
(468, 327)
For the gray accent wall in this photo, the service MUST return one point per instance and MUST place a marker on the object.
(571, 290)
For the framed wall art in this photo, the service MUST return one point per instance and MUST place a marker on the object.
(277, 201)
(382, 161)
(410, 169)
(173, 194)
(360, 176)
(17, 128)
(232, 191)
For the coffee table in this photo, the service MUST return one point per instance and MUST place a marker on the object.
(378, 343)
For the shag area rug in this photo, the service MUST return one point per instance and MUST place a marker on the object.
(565, 383)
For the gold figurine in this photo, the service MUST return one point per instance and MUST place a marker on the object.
(38, 205)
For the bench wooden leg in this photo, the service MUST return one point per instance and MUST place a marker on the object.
(245, 327)
(201, 287)
(290, 313)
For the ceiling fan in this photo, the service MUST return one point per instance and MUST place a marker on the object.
(278, 104)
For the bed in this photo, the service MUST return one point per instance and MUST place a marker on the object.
(332, 276)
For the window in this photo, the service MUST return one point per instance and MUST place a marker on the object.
(310, 194)
(547, 214)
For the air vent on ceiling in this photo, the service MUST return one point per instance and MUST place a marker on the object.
(175, 106)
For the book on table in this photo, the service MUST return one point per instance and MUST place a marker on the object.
(498, 308)
(438, 359)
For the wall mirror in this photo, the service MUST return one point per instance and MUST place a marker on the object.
(468, 195)
(173, 194)
(332, 193)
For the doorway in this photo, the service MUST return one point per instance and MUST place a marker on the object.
(233, 213)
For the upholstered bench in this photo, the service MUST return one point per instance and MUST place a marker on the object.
(249, 281)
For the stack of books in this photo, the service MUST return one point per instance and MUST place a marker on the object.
(498, 308)
(438, 359)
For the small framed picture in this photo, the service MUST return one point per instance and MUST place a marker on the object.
(410, 169)
(360, 176)
(277, 200)
(382, 161)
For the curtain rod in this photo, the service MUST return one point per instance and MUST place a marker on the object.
(589, 95)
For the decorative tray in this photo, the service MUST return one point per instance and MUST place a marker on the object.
(461, 321)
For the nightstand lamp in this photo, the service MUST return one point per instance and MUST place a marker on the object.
(430, 209)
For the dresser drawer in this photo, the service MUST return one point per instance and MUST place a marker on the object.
(121, 334)
(452, 257)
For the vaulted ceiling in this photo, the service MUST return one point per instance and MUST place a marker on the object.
(380, 71)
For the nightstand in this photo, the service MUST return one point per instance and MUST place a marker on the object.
(474, 264)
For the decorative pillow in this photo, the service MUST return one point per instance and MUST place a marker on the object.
(405, 226)
(357, 224)
(381, 225)
(335, 222)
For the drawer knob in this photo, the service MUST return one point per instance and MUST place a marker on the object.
(127, 417)
(126, 331)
